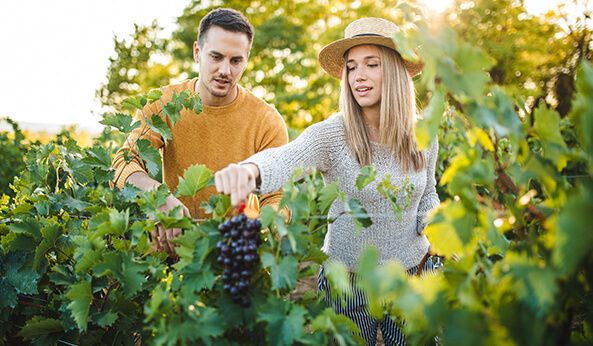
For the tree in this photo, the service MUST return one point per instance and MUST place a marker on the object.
(140, 64)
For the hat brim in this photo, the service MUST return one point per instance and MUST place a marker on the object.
(331, 57)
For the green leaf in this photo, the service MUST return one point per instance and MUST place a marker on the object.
(78, 170)
(74, 205)
(154, 94)
(122, 122)
(50, 234)
(327, 196)
(137, 102)
(365, 177)
(98, 156)
(218, 205)
(285, 321)
(338, 326)
(150, 155)
(427, 127)
(195, 178)
(81, 297)
(8, 293)
(38, 326)
(283, 274)
(106, 319)
(151, 201)
(546, 127)
(124, 268)
(573, 243)
(117, 225)
(359, 214)
(158, 125)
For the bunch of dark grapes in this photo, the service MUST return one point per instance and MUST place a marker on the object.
(238, 254)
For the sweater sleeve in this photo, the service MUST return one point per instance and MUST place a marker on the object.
(125, 168)
(310, 150)
(430, 198)
(275, 135)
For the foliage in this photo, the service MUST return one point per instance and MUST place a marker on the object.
(12, 151)
(78, 265)
(519, 202)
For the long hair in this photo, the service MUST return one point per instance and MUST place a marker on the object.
(397, 115)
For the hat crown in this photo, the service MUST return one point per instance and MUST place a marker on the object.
(370, 26)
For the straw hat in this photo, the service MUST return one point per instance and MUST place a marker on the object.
(362, 31)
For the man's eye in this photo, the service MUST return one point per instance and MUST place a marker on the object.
(215, 57)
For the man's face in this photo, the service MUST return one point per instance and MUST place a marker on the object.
(222, 60)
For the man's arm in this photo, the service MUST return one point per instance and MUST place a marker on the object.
(160, 235)
(133, 171)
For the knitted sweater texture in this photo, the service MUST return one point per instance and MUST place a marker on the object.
(215, 138)
(324, 147)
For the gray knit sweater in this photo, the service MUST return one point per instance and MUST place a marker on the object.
(323, 146)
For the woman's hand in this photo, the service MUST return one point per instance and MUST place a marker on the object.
(238, 181)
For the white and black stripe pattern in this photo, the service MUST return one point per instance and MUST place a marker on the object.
(356, 310)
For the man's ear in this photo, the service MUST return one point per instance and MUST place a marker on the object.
(196, 51)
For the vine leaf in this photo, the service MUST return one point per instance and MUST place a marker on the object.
(122, 122)
(546, 127)
(327, 196)
(149, 155)
(81, 297)
(285, 324)
(50, 234)
(158, 125)
(137, 102)
(195, 178)
(359, 214)
(151, 201)
(38, 326)
(283, 274)
(365, 177)
(123, 268)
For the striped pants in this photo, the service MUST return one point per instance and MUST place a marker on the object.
(356, 310)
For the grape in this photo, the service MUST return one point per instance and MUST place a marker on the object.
(238, 254)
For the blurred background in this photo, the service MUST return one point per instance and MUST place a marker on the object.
(66, 63)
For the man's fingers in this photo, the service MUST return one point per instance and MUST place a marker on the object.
(155, 240)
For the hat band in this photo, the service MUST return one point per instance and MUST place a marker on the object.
(368, 35)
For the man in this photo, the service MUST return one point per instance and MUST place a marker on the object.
(233, 125)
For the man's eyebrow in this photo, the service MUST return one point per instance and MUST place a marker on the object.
(219, 53)
(366, 58)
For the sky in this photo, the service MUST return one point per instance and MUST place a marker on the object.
(54, 54)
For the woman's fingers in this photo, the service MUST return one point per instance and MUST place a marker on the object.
(235, 181)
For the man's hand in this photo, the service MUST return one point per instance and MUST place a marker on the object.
(160, 236)
(238, 181)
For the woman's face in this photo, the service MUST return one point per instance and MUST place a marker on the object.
(364, 76)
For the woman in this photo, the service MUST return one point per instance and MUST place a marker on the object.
(375, 125)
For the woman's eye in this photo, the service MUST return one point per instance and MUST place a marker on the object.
(351, 68)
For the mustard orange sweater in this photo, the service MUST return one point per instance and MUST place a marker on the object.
(215, 138)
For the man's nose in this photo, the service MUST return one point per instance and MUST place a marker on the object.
(224, 68)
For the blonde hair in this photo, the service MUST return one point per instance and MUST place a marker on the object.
(397, 115)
